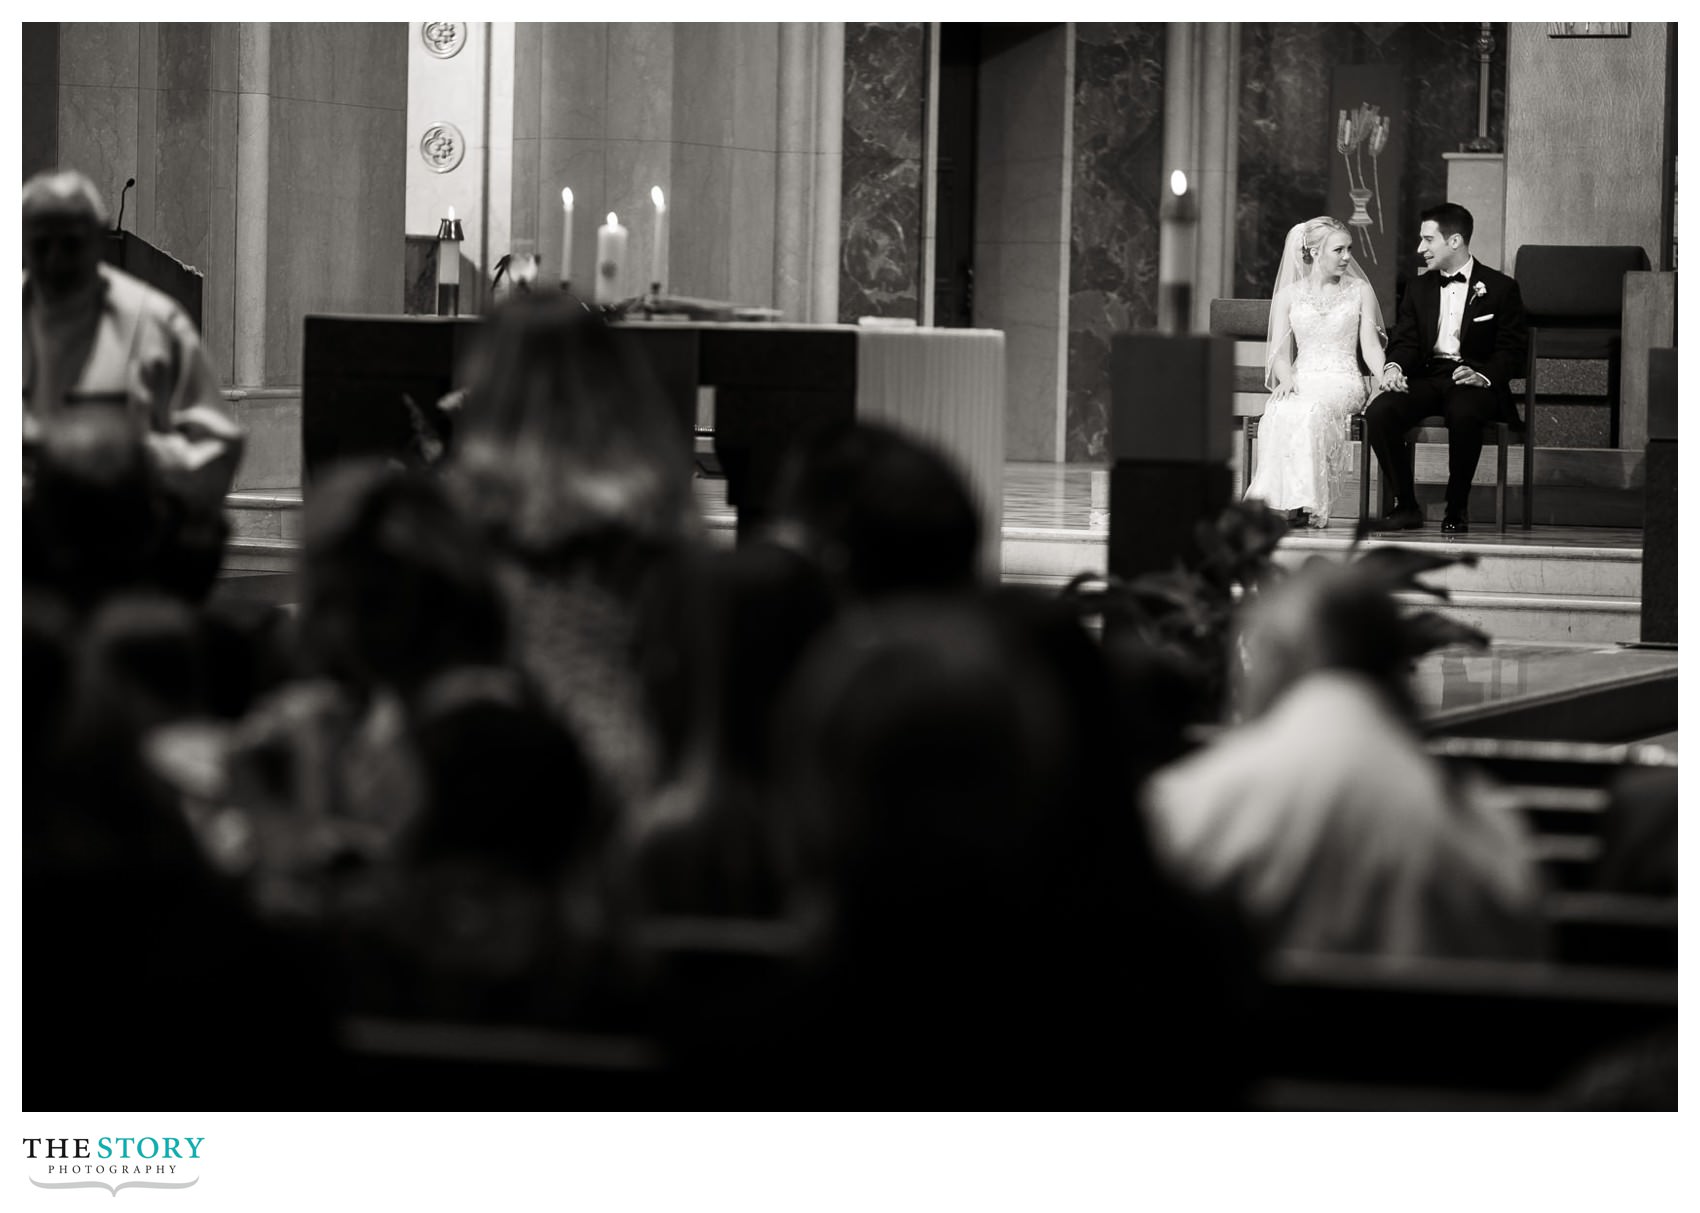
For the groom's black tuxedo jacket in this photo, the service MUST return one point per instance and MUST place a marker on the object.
(1493, 339)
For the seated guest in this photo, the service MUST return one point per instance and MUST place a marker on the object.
(94, 335)
(727, 631)
(475, 912)
(881, 512)
(997, 921)
(577, 473)
(1322, 816)
(1638, 834)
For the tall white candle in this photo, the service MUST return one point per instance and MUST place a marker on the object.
(1177, 255)
(566, 235)
(610, 261)
(658, 252)
(448, 258)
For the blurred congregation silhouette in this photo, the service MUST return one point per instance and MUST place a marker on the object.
(502, 775)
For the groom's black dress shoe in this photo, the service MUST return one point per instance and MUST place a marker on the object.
(1403, 517)
(1455, 524)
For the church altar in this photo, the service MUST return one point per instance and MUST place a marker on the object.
(771, 385)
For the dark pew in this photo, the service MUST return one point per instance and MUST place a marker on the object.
(418, 1065)
(1367, 1032)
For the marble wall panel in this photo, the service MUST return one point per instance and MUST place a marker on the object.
(336, 214)
(700, 222)
(1286, 129)
(147, 56)
(183, 160)
(224, 39)
(1114, 227)
(185, 55)
(573, 79)
(40, 104)
(1585, 153)
(40, 101)
(704, 62)
(139, 215)
(528, 80)
(581, 164)
(880, 212)
(755, 85)
(97, 134)
(1020, 106)
(640, 82)
(753, 223)
(102, 53)
(218, 316)
(39, 58)
(346, 62)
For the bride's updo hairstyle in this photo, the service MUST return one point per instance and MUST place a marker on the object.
(1316, 231)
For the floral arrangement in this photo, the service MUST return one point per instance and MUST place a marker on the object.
(1190, 613)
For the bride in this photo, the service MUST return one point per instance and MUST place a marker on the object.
(1325, 308)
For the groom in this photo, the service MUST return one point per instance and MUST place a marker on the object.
(1459, 339)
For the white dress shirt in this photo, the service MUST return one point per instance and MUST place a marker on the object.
(1453, 296)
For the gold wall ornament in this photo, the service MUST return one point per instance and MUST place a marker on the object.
(443, 39)
(442, 147)
(1587, 29)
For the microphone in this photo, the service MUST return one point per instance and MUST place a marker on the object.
(119, 226)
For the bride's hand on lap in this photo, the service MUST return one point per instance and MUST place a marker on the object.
(1280, 392)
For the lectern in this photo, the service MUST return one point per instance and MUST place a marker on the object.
(158, 268)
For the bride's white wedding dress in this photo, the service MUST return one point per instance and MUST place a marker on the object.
(1303, 447)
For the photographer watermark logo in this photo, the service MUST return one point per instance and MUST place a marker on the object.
(114, 1163)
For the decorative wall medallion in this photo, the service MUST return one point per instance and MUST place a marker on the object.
(443, 38)
(442, 147)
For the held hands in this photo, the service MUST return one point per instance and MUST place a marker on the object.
(1393, 379)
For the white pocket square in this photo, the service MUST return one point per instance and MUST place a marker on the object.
(1479, 319)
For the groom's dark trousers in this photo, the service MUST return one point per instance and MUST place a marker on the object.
(1466, 410)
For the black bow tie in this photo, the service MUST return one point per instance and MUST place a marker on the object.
(1449, 279)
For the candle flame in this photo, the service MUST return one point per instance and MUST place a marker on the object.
(1177, 183)
(566, 198)
(656, 196)
(612, 221)
(451, 214)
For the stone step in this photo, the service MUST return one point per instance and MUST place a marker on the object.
(254, 555)
(264, 513)
(271, 418)
(1534, 618)
(1511, 567)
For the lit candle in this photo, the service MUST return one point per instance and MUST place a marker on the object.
(1178, 255)
(610, 261)
(566, 236)
(449, 236)
(658, 253)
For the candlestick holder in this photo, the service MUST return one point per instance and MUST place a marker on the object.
(449, 237)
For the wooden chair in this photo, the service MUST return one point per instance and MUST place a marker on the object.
(1573, 297)
(1496, 434)
(1248, 320)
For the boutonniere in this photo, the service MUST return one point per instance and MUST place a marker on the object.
(1478, 289)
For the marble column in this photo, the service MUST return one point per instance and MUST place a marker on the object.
(253, 198)
(809, 171)
(1216, 166)
(1201, 137)
(929, 178)
(1023, 198)
(829, 166)
(471, 90)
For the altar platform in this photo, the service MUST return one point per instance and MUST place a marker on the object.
(1547, 585)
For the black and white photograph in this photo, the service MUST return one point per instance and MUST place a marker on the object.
(708, 565)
